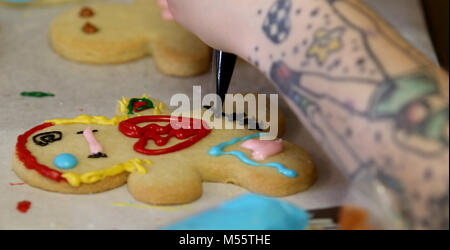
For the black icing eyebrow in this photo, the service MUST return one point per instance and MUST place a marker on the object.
(43, 139)
(81, 132)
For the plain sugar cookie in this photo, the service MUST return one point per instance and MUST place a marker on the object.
(117, 33)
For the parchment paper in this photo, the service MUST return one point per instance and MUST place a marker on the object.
(27, 63)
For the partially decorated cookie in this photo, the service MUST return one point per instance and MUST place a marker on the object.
(163, 159)
(116, 33)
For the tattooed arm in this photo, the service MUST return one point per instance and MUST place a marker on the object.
(370, 98)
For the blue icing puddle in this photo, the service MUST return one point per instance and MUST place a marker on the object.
(218, 151)
(248, 212)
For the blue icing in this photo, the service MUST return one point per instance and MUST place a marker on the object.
(248, 212)
(65, 161)
(218, 151)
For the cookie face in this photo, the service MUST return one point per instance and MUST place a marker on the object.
(162, 158)
(117, 33)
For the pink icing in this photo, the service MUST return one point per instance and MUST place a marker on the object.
(263, 149)
(94, 146)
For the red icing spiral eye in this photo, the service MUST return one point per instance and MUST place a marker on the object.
(162, 134)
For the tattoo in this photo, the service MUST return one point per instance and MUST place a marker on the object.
(277, 24)
(404, 110)
(436, 205)
(325, 42)
(404, 100)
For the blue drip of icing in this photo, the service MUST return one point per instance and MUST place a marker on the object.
(218, 151)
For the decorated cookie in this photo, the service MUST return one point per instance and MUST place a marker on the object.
(117, 33)
(163, 159)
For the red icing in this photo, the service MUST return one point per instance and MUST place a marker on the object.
(29, 160)
(16, 184)
(130, 129)
(154, 132)
(137, 105)
(23, 206)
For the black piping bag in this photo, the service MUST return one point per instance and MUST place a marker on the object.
(225, 63)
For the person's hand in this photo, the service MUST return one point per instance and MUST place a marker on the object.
(223, 25)
(166, 14)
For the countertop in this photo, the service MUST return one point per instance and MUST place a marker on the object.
(27, 63)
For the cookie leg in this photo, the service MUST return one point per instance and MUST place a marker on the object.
(166, 184)
(260, 179)
(181, 57)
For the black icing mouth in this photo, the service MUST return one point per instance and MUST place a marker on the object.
(98, 155)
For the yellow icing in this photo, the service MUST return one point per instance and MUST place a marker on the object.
(168, 208)
(157, 111)
(86, 119)
(123, 105)
(94, 176)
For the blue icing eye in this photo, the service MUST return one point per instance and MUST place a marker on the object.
(65, 161)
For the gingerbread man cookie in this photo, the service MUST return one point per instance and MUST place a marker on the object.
(117, 33)
(163, 159)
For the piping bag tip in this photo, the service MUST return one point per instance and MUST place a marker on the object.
(225, 63)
